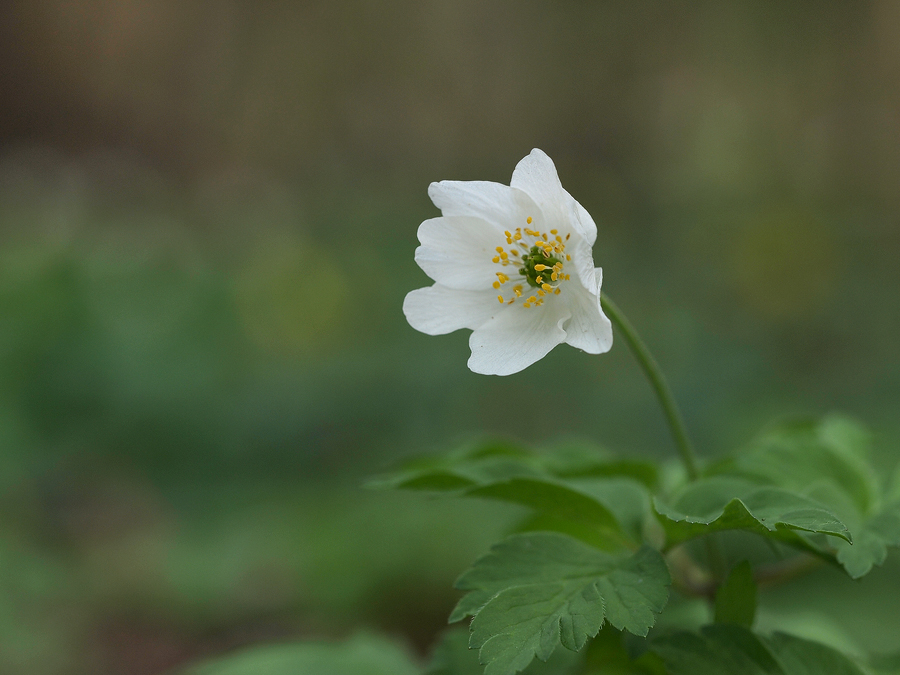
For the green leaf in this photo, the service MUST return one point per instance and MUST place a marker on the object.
(724, 649)
(873, 536)
(606, 508)
(360, 655)
(552, 497)
(534, 591)
(468, 467)
(452, 656)
(736, 597)
(725, 503)
(490, 461)
(613, 509)
(800, 455)
(582, 460)
(804, 657)
(628, 499)
(828, 461)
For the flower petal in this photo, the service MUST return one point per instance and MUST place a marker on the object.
(516, 338)
(582, 221)
(583, 262)
(502, 206)
(457, 251)
(436, 310)
(588, 329)
(536, 176)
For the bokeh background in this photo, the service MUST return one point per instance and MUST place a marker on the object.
(207, 225)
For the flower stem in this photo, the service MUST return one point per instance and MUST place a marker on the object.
(715, 558)
(660, 386)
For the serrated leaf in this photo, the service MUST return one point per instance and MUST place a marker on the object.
(828, 461)
(736, 597)
(454, 473)
(497, 460)
(724, 503)
(582, 460)
(452, 656)
(733, 650)
(613, 509)
(873, 536)
(628, 499)
(799, 455)
(549, 496)
(537, 590)
(360, 655)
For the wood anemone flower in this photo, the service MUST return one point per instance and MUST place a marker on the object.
(513, 264)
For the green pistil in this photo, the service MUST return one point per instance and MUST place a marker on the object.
(536, 256)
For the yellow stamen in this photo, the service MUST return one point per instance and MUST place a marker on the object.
(554, 231)
(500, 298)
(528, 220)
(546, 287)
(496, 259)
(496, 284)
(540, 268)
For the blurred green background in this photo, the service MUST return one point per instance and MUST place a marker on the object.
(207, 224)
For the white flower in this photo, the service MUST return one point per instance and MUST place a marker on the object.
(513, 264)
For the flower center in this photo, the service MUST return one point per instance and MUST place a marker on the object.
(540, 260)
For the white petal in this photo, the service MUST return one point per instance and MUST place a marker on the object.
(502, 206)
(536, 176)
(437, 310)
(582, 264)
(457, 252)
(516, 338)
(588, 329)
(582, 221)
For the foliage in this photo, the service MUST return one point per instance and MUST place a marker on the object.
(596, 554)
(733, 650)
(736, 597)
(537, 590)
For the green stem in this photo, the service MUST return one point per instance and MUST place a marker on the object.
(660, 386)
(676, 424)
